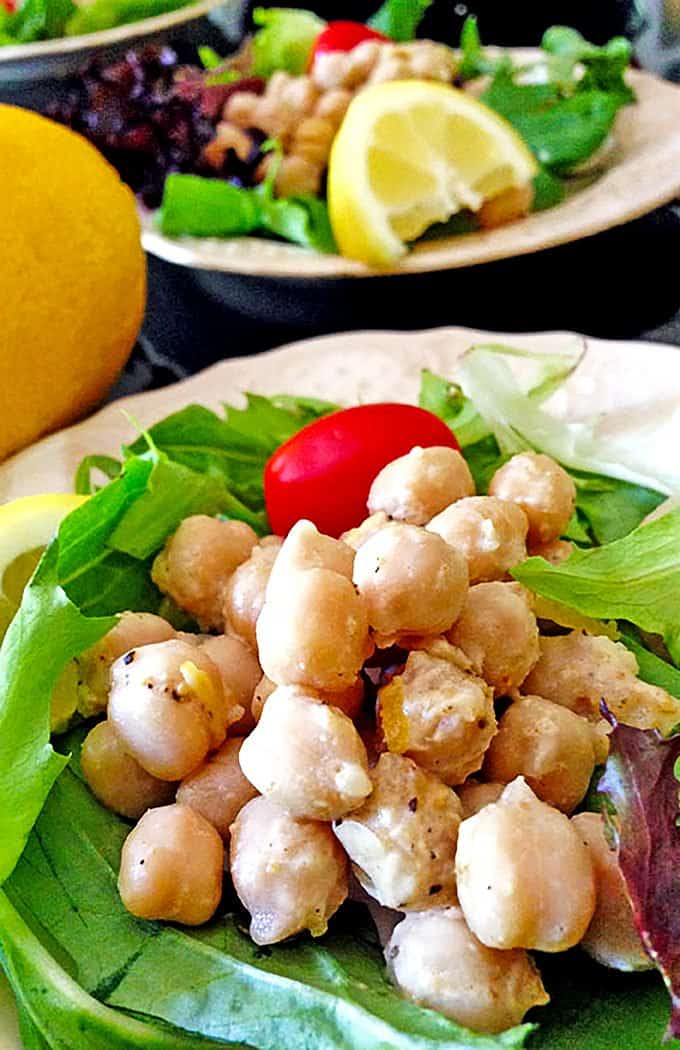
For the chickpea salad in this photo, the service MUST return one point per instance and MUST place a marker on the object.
(352, 728)
(350, 137)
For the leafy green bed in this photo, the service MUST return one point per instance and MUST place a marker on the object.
(89, 976)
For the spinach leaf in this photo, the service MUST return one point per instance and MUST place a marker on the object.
(212, 983)
(605, 66)
(201, 207)
(636, 578)
(399, 19)
(560, 132)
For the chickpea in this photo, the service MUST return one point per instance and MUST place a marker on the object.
(550, 746)
(245, 590)
(116, 779)
(94, 666)
(316, 634)
(171, 867)
(435, 960)
(491, 533)
(612, 937)
(290, 874)
(525, 878)
(349, 700)
(555, 551)
(217, 789)
(508, 206)
(419, 485)
(194, 566)
(354, 538)
(474, 795)
(306, 756)
(306, 548)
(402, 841)
(579, 671)
(542, 488)
(438, 715)
(497, 631)
(240, 673)
(412, 582)
(169, 707)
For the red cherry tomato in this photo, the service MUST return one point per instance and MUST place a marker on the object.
(324, 471)
(343, 36)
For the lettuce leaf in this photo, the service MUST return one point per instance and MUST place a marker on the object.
(639, 448)
(641, 782)
(636, 578)
(399, 19)
(284, 40)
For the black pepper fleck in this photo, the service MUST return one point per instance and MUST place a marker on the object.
(437, 888)
(413, 804)
(129, 657)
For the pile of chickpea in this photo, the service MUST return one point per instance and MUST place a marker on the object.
(382, 704)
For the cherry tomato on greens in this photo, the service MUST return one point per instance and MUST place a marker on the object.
(343, 36)
(324, 471)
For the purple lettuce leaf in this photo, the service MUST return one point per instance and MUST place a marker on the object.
(641, 782)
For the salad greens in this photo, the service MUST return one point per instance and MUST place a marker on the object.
(399, 19)
(37, 20)
(87, 974)
(284, 39)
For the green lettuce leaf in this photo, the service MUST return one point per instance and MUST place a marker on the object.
(399, 19)
(105, 14)
(284, 41)
(636, 578)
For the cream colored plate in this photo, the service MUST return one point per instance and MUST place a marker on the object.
(348, 368)
(642, 174)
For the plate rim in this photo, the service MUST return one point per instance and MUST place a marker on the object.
(249, 256)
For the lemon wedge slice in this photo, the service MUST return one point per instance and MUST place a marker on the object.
(410, 153)
(26, 527)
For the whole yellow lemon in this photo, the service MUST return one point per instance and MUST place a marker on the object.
(72, 276)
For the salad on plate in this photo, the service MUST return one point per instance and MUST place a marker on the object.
(354, 138)
(351, 728)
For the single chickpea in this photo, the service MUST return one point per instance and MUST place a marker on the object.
(497, 630)
(291, 875)
(550, 746)
(306, 756)
(579, 671)
(356, 537)
(612, 938)
(438, 715)
(306, 548)
(240, 673)
(525, 878)
(94, 666)
(490, 533)
(508, 206)
(411, 580)
(245, 591)
(554, 551)
(116, 779)
(542, 488)
(435, 960)
(171, 867)
(419, 485)
(169, 707)
(217, 789)
(475, 795)
(402, 842)
(197, 561)
(316, 634)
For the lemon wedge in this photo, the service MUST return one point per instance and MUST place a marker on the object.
(26, 527)
(410, 153)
